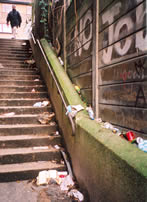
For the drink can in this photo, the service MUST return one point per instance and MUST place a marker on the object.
(130, 136)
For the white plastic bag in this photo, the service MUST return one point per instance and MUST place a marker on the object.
(76, 194)
(66, 183)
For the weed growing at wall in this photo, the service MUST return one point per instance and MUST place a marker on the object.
(44, 4)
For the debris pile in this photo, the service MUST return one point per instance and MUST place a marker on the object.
(63, 179)
(46, 117)
(128, 135)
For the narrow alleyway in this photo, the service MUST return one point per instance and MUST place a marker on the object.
(28, 131)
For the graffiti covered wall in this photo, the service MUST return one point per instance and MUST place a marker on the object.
(123, 64)
(79, 46)
(122, 61)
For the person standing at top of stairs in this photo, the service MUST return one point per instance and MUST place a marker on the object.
(15, 20)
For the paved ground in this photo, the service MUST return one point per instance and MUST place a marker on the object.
(26, 191)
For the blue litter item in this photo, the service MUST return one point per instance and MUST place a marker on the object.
(69, 109)
(142, 144)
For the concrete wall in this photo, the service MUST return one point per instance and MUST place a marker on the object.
(108, 167)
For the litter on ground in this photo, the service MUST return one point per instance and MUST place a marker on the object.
(142, 144)
(24, 44)
(56, 147)
(74, 193)
(9, 114)
(67, 183)
(46, 117)
(45, 176)
(33, 90)
(73, 109)
(31, 62)
(40, 148)
(41, 104)
(90, 112)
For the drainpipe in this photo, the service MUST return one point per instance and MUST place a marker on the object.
(95, 58)
(65, 64)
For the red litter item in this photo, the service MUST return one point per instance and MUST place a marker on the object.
(61, 176)
(130, 136)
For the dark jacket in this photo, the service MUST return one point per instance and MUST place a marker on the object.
(14, 18)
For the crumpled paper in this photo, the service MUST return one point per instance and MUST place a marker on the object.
(41, 104)
(67, 183)
(76, 194)
(73, 109)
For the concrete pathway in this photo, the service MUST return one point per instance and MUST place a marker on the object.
(25, 191)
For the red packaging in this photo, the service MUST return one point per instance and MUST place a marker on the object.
(62, 176)
(130, 136)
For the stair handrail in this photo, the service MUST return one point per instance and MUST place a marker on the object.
(59, 90)
(33, 38)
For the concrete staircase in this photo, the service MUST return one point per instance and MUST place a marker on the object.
(26, 145)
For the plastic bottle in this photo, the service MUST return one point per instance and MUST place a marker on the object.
(90, 112)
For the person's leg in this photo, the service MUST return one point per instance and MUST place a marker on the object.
(14, 32)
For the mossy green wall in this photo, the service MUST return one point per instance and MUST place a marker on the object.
(108, 167)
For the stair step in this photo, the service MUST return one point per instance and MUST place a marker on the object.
(18, 141)
(13, 46)
(24, 109)
(26, 129)
(22, 69)
(10, 44)
(20, 102)
(14, 65)
(23, 95)
(19, 77)
(17, 89)
(13, 57)
(13, 41)
(16, 53)
(21, 119)
(16, 49)
(10, 61)
(24, 171)
(18, 73)
(29, 154)
(22, 82)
